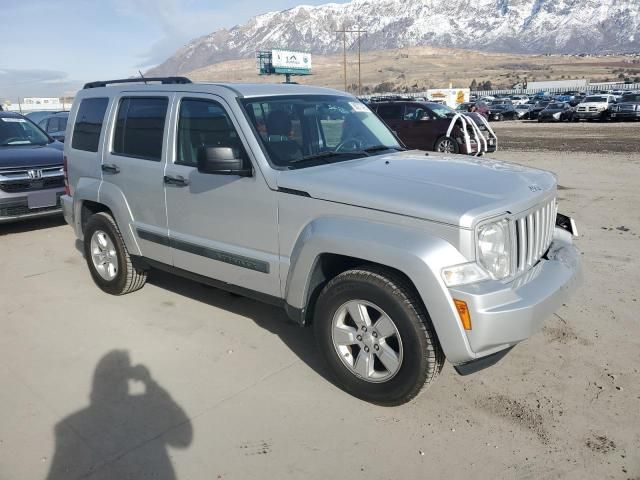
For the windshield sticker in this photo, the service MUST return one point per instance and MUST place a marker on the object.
(13, 120)
(358, 107)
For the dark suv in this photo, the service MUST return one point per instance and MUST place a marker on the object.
(426, 126)
(31, 174)
(627, 108)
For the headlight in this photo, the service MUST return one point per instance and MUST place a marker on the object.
(494, 248)
(601, 108)
(556, 115)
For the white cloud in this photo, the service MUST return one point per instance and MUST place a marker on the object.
(18, 83)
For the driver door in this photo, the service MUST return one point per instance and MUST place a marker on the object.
(220, 226)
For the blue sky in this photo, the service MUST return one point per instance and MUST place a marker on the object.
(50, 47)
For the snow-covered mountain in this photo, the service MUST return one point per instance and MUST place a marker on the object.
(527, 26)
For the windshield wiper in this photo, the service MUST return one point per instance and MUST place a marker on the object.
(378, 148)
(325, 155)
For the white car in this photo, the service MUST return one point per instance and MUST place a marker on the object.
(596, 107)
(519, 99)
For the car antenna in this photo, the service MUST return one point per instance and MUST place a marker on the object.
(142, 77)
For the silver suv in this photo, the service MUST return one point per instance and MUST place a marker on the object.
(301, 197)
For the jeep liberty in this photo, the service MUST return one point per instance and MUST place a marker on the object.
(301, 197)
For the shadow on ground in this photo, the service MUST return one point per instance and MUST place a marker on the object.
(300, 341)
(125, 430)
(23, 226)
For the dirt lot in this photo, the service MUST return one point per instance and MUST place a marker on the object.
(587, 137)
(231, 391)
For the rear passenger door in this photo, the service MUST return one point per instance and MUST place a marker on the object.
(133, 168)
(391, 113)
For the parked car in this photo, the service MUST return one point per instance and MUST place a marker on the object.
(424, 126)
(595, 107)
(519, 99)
(539, 106)
(31, 176)
(479, 107)
(556, 112)
(628, 108)
(399, 260)
(502, 111)
(522, 111)
(37, 115)
(55, 125)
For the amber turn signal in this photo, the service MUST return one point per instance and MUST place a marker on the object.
(463, 313)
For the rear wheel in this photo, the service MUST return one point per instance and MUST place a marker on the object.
(376, 336)
(108, 258)
(446, 145)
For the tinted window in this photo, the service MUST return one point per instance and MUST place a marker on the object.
(140, 127)
(416, 112)
(203, 123)
(390, 111)
(53, 125)
(86, 131)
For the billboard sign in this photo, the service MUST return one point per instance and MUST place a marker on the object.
(449, 96)
(290, 61)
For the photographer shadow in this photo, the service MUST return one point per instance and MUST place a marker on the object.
(121, 434)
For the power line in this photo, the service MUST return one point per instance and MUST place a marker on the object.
(344, 32)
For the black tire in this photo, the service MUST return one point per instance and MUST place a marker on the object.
(128, 278)
(440, 145)
(422, 355)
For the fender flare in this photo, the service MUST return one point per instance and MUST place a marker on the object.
(417, 254)
(114, 199)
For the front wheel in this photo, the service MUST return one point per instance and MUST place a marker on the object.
(446, 145)
(376, 336)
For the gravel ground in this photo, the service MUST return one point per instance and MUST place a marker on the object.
(587, 137)
(232, 391)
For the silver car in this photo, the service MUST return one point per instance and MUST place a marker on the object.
(301, 197)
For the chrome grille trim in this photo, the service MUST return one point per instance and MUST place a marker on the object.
(533, 234)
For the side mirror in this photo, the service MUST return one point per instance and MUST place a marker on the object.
(222, 161)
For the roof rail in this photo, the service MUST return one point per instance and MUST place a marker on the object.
(162, 80)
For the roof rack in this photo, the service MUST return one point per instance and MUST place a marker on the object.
(162, 80)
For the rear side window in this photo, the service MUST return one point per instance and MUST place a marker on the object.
(390, 111)
(140, 127)
(86, 131)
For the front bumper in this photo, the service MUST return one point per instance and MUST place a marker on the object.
(626, 115)
(503, 315)
(15, 207)
(588, 115)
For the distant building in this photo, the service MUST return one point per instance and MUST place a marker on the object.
(579, 84)
(29, 104)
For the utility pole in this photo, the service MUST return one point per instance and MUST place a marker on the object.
(344, 32)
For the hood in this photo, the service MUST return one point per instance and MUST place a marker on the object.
(452, 189)
(23, 156)
(592, 104)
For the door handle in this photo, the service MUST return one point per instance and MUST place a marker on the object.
(178, 180)
(111, 168)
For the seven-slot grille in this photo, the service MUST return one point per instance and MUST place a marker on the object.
(533, 235)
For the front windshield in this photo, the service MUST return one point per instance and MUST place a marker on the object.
(19, 131)
(442, 111)
(303, 130)
(631, 98)
(555, 106)
(595, 99)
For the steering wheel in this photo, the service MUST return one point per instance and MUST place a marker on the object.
(353, 141)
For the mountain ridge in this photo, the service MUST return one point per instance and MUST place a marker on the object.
(511, 26)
